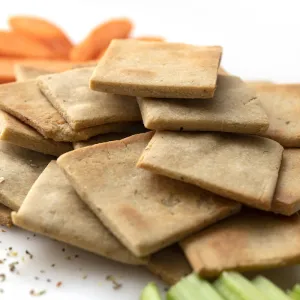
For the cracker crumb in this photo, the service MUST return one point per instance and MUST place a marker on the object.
(13, 253)
(112, 279)
(34, 293)
(12, 266)
(2, 179)
(28, 253)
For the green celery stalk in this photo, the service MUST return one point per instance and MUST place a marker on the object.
(193, 287)
(295, 292)
(150, 292)
(269, 289)
(234, 286)
(225, 291)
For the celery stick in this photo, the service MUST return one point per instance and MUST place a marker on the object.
(234, 286)
(193, 287)
(207, 290)
(269, 289)
(295, 293)
(150, 292)
(225, 291)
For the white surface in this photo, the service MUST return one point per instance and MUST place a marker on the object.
(260, 40)
(68, 269)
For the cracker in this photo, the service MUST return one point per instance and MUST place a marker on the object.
(81, 107)
(157, 69)
(287, 194)
(52, 208)
(281, 102)
(240, 167)
(15, 132)
(19, 168)
(102, 138)
(249, 241)
(146, 212)
(234, 108)
(24, 73)
(25, 101)
(169, 264)
(92, 63)
(5, 216)
(255, 83)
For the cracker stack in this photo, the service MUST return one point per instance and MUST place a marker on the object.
(215, 144)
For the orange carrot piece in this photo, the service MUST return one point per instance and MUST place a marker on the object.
(43, 31)
(101, 53)
(15, 44)
(99, 38)
(150, 38)
(6, 70)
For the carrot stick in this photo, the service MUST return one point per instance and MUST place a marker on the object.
(15, 44)
(99, 38)
(43, 31)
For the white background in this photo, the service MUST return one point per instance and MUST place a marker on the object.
(260, 40)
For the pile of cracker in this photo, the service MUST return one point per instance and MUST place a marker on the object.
(177, 166)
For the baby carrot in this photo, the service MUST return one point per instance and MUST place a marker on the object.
(43, 31)
(99, 38)
(15, 44)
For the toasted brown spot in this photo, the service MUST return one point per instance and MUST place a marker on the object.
(231, 237)
(133, 217)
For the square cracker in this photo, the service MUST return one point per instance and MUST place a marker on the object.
(157, 69)
(53, 208)
(15, 132)
(25, 101)
(146, 212)
(24, 73)
(240, 167)
(281, 103)
(19, 168)
(234, 108)
(287, 194)
(81, 107)
(252, 240)
(169, 264)
(102, 138)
